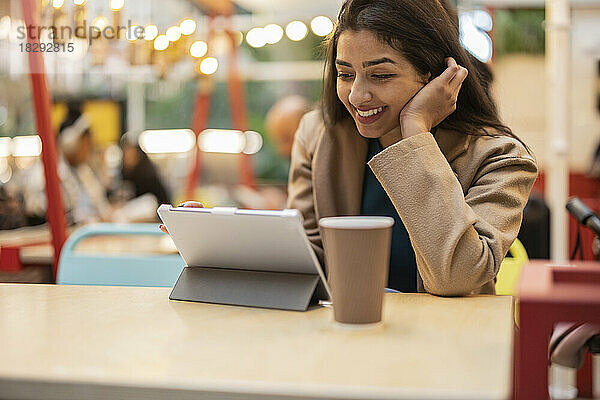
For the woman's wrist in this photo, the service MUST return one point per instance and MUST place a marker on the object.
(412, 127)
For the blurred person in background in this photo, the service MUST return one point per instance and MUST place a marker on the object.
(11, 209)
(282, 121)
(84, 196)
(139, 171)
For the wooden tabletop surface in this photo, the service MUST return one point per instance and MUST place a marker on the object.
(133, 342)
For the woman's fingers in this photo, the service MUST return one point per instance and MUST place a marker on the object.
(191, 204)
(459, 77)
(451, 71)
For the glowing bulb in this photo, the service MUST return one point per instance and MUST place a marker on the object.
(4, 27)
(209, 65)
(173, 33)
(100, 23)
(26, 146)
(161, 42)
(296, 30)
(321, 25)
(256, 37)
(221, 141)
(150, 32)
(116, 5)
(167, 141)
(79, 2)
(254, 142)
(5, 147)
(187, 26)
(273, 33)
(58, 3)
(198, 49)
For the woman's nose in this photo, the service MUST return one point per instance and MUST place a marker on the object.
(359, 94)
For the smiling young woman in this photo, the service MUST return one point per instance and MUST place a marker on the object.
(408, 130)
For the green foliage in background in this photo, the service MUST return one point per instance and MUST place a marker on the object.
(519, 31)
(176, 112)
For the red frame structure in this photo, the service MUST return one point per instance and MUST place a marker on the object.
(41, 98)
(549, 294)
(237, 103)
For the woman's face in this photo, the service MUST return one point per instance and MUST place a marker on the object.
(374, 82)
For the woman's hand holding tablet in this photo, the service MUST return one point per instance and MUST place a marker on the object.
(191, 204)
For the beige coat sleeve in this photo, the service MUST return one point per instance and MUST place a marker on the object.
(459, 238)
(300, 189)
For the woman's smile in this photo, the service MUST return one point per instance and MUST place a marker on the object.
(367, 116)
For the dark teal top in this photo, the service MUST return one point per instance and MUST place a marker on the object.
(403, 265)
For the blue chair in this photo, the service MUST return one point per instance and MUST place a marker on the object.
(117, 269)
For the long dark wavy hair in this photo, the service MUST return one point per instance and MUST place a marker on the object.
(425, 32)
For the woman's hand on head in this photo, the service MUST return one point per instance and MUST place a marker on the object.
(434, 102)
(191, 204)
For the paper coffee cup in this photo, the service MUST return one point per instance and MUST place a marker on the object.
(357, 256)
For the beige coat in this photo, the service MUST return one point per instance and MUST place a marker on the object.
(460, 197)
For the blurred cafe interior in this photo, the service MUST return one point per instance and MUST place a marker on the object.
(111, 108)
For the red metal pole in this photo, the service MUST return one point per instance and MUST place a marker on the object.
(237, 103)
(41, 98)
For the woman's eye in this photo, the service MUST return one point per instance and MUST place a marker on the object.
(344, 76)
(383, 76)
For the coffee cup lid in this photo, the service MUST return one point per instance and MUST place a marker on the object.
(356, 222)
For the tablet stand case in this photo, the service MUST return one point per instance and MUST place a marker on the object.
(282, 290)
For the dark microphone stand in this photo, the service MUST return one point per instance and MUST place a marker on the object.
(586, 217)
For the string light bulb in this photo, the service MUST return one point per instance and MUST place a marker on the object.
(273, 33)
(209, 66)
(198, 49)
(161, 42)
(150, 32)
(321, 25)
(256, 37)
(296, 30)
(173, 33)
(116, 5)
(187, 27)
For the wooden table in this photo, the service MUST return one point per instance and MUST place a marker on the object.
(71, 342)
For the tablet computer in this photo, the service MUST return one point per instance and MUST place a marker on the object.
(244, 252)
